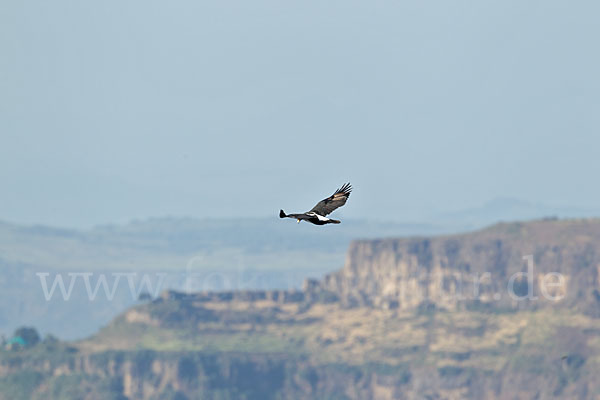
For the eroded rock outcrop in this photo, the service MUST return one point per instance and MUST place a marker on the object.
(513, 265)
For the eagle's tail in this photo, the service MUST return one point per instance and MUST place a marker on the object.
(282, 214)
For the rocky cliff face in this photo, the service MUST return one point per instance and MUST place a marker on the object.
(151, 375)
(536, 264)
(172, 375)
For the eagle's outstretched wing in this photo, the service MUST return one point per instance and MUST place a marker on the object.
(336, 200)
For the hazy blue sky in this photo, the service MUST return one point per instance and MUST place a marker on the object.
(111, 110)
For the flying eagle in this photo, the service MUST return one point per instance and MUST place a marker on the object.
(318, 214)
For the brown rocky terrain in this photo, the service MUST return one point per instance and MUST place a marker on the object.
(459, 270)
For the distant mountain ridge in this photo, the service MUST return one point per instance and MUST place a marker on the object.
(237, 254)
(508, 209)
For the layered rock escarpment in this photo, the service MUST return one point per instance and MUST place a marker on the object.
(514, 265)
(507, 266)
(150, 375)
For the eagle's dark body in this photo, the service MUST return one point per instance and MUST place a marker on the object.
(312, 218)
(318, 214)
